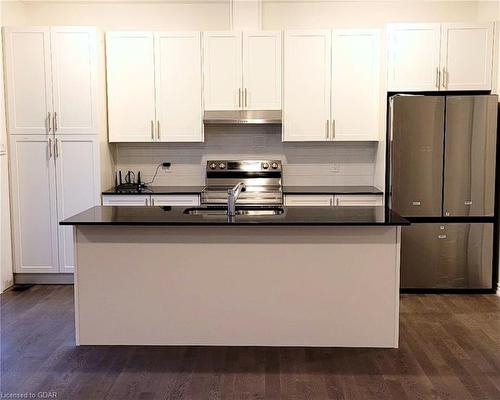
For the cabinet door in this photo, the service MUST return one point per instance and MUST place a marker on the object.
(33, 203)
(323, 200)
(131, 86)
(355, 84)
(74, 77)
(222, 65)
(306, 101)
(175, 200)
(77, 177)
(262, 70)
(467, 56)
(359, 200)
(413, 62)
(28, 80)
(178, 87)
(125, 200)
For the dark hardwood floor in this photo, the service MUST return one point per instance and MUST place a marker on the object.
(449, 349)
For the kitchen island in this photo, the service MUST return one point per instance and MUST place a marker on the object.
(295, 276)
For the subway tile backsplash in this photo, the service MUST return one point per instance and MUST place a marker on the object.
(304, 163)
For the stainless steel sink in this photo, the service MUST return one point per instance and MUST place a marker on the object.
(243, 211)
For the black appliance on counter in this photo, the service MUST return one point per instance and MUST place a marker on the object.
(130, 183)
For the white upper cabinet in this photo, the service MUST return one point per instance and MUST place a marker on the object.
(178, 87)
(356, 84)
(34, 214)
(222, 70)
(306, 91)
(413, 62)
(28, 80)
(77, 183)
(242, 70)
(51, 80)
(262, 70)
(430, 57)
(467, 56)
(131, 86)
(74, 80)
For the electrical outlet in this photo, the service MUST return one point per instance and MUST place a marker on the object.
(166, 167)
(336, 168)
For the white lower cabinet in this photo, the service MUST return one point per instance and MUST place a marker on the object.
(53, 177)
(175, 200)
(323, 200)
(158, 200)
(309, 200)
(118, 200)
(34, 213)
(359, 200)
(77, 183)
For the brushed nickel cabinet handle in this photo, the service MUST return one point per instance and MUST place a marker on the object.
(328, 129)
(239, 97)
(246, 98)
(158, 129)
(55, 122)
(50, 147)
(438, 77)
(48, 121)
(56, 147)
(152, 130)
(333, 129)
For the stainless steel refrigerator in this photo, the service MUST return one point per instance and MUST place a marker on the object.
(442, 153)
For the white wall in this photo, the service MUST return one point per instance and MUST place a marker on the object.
(11, 13)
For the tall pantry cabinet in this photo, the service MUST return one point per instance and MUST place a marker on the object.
(52, 122)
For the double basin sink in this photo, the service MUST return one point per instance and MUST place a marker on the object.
(240, 210)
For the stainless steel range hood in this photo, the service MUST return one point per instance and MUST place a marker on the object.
(242, 117)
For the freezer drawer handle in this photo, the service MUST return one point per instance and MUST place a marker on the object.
(441, 236)
(415, 203)
(468, 202)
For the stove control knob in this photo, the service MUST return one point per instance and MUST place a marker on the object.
(265, 165)
(213, 166)
(222, 165)
(274, 165)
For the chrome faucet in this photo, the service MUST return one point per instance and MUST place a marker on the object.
(232, 197)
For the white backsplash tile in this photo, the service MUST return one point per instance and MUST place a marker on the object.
(339, 163)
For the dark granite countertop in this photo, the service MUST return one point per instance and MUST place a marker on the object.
(331, 190)
(286, 190)
(348, 216)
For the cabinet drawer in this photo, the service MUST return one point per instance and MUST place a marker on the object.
(175, 200)
(359, 200)
(125, 200)
(309, 200)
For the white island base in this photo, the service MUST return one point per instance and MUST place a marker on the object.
(237, 285)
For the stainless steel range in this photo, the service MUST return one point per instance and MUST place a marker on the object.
(262, 180)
